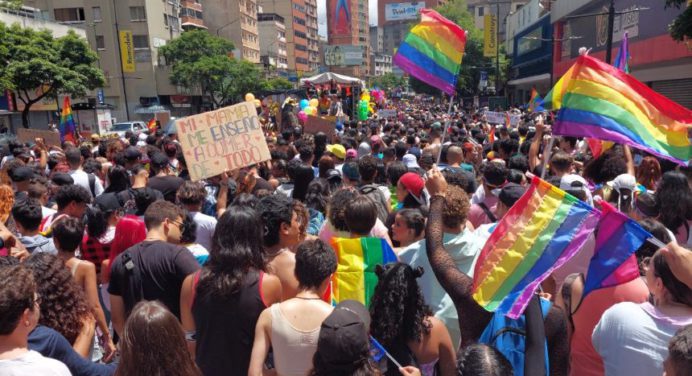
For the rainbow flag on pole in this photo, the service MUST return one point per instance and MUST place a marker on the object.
(623, 56)
(67, 127)
(432, 51)
(535, 102)
(602, 102)
(355, 276)
(542, 231)
(613, 262)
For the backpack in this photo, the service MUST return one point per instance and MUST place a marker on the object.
(92, 184)
(372, 192)
(522, 341)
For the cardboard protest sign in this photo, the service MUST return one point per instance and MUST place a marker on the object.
(317, 124)
(29, 135)
(225, 139)
(500, 118)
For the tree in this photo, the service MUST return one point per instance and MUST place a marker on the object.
(681, 28)
(39, 65)
(11, 4)
(277, 83)
(388, 81)
(204, 62)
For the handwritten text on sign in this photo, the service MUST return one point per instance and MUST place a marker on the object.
(225, 139)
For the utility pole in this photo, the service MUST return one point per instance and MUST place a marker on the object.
(120, 55)
(497, 49)
(611, 24)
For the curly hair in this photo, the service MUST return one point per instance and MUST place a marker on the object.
(63, 304)
(337, 208)
(607, 166)
(649, 172)
(6, 201)
(397, 309)
(317, 194)
(482, 360)
(456, 207)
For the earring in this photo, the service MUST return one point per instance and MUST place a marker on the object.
(27, 323)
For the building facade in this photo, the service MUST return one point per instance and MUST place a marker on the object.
(295, 13)
(235, 20)
(272, 36)
(137, 93)
(191, 15)
(500, 9)
(348, 25)
(655, 58)
(311, 34)
(531, 61)
(376, 39)
(396, 17)
(380, 63)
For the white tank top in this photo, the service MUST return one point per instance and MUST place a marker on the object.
(293, 348)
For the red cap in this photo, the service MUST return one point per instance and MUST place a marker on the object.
(413, 183)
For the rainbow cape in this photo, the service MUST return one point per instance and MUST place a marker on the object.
(542, 231)
(67, 127)
(535, 102)
(355, 276)
(599, 101)
(432, 51)
(613, 262)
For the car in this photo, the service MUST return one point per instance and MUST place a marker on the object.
(136, 127)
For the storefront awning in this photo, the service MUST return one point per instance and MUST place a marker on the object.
(529, 80)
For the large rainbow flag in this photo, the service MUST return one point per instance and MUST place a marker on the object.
(613, 262)
(542, 231)
(432, 51)
(67, 127)
(599, 101)
(355, 276)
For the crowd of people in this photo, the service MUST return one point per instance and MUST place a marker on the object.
(113, 262)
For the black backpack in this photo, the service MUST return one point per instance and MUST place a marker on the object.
(372, 192)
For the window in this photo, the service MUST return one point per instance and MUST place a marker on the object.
(100, 42)
(96, 12)
(173, 22)
(138, 14)
(165, 19)
(481, 11)
(69, 14)
(140, 41)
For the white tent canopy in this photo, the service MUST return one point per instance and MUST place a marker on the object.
(327, 77)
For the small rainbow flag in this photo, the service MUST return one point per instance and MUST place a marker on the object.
(432, 51)
(623, 57)
(602, 102)
(613, 262)
(491, 135)
(151, 125)
(542, 231)
(67, 127)
(535, 102)
(355, 276)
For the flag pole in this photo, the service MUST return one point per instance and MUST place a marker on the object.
(446, 128)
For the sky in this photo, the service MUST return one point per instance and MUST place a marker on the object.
(322, 15)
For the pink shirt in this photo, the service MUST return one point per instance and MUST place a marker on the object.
(477, 215)
(327, 232)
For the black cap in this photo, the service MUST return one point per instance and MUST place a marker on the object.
(159, 160)
(510, 194)
(132, 153)
(108, 202)
(343, 343)
(61, 178)
(333, 174)
(21, 173)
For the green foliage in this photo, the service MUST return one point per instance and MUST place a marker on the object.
(11, 4)
(34, 59)
(277, 83)
(388, 81)
(681, 26)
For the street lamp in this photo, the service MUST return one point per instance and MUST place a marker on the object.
(228, 24)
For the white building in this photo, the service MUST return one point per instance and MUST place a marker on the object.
(380, 64)
(272, 40)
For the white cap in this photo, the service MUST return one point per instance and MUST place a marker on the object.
(576, 182)
(410, 161)
(625, 181)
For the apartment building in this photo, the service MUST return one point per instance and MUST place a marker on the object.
(295, 14)
(235, 20)
(272, 36)
(348, 25)
(312, 39)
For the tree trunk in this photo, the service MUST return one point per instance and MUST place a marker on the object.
(25, 116)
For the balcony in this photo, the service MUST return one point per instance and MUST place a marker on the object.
(191, 5)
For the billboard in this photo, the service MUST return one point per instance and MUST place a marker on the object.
(343, 55)
(339, 17)
(403, 11)
(489, 35)
(127, 51)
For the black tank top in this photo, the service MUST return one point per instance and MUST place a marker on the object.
(226, 328)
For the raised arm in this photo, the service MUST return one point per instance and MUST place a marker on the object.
(472, 317)
(536, 145)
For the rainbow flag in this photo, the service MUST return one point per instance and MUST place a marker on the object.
(355, 276)
(67, 127)
(535, 102)
(613, 262)
(623, 57)
(432, 51)
(151, 125)
(542, 231)
(491, 135)
(602, 102)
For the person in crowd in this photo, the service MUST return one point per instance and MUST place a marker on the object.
(633, 338)
(482, 360)
(483, 209)
(410, 191)
(281, 234)
(338, 153)
(72, 202)
(335, 225)
(118, 180)
(102, 217)
(302, 177)
(153, 343)
(648, 173)
(406, 327)
(395, 170)
(38, 190)
(408, 227)
(27, 217)
(232, 284)
(473, 319)
(64, 306)
(153, 269)
(674, 203)
(67, 234)
(316, 200)
(87, 181)
(191, 196)
(163, 180)
(622, 193)
(679, 360)
(188, 240)
(291, 328)
(128, 232)
(19, 315)
(379, 194)
(21, 177)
